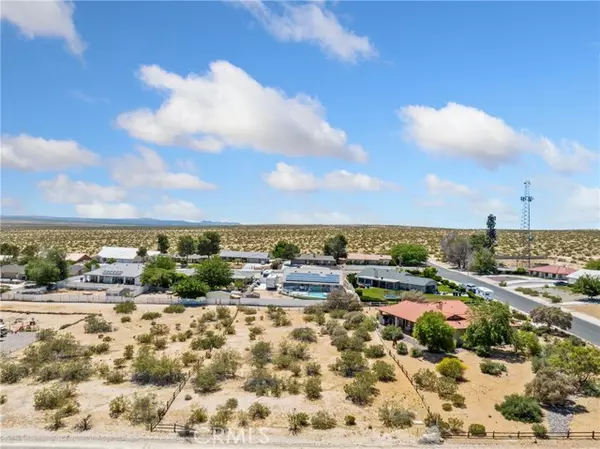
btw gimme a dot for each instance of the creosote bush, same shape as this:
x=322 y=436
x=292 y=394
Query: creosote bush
x=383 y=371
x=297 y=421
x=53 y=397
x=401 y=348
x=304 y=334
x=426 y=379
x=125 y=307
x=492 y=368
x=125 y=319
x=375 y=351
x=312 y=388
x=393 y=415
x=520 y=408
x=144 y=409
x=174 y=308
x=258 y=411
x=323 y=421
x=149 y=369
x=477 y=430
x=312 y=369
x=96 y=325
x=198 y=415
x=349 y=420
x=149 y=316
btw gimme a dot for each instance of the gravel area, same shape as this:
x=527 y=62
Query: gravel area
x=559 y=419
x=14 y=342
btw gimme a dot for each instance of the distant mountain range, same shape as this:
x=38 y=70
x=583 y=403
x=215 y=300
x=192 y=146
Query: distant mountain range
x=65 y=221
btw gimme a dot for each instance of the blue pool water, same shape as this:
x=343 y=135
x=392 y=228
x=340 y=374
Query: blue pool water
x=317 y=295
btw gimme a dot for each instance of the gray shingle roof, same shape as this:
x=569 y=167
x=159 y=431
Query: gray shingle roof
x=244 y=254
x=12 y=268
x=391 y=275
x=129 y=270
x=316 y=257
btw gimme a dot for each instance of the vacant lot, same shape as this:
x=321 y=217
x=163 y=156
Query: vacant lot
x=575 y=246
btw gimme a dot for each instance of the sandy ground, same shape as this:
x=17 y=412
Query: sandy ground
x=588 y=309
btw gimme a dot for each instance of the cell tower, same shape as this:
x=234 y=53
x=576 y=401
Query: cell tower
x=526 y=199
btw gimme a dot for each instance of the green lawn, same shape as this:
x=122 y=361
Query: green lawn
x=377 y=294
x=444 y=288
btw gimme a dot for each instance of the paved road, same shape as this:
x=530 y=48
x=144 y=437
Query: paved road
x=583 y=329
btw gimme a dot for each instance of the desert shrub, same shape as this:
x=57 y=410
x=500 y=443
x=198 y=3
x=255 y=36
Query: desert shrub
x=144 y=339
x=101 y=348
x=296 y=421
x=323 y=421
x=312 y=388
x=349 y=364
x=125 y=307
x=375 y=351
x=477 y=430
x=426 y=379
x=3 y=399
x=394 y=416
x=149 y=369
x=349 y=420
x=159 y=343
x=56 y=421
x=49 y=372
x=247 y=310
x=520 y=408
x=220 y=420
x=452 y=368
x=96 y=325
x=255 y=331
x=353 y=320
x=84 y=424
x=144 y=409
x=458 y=400
x=447 y=407
x=262 y=382
x=189 y=358
x=210 y=340
x=539 y=430
x=174 y=308
x=258 y=411
x=338 y=314
x=550 y=387
x=250 y=319
x=502 y=284
x=305 y=334
x=12 y=372
x=362 y=332
x=120 y=363
x=118 y=406
x=56 y=349
x=188 y=397
x=243 y=419
x=76 y=371
x=53 y=397
x=383 y=371
x=296 y=369
x=361 y=390
x=107 y=339
x=206 y=381
x=283 y=361
x=446 y=387
x=45 y=334
x=492 y=368
x=226 y=363
x=128 y=352
x=312 y=369
x=223 y=313
x=416 y=352
x=401 y=348
x=392 y=333
x=293 y=386
x=125 y=319
x=261 y=354
x=297 y=351
x=159 y=329
x=115 y=377
x=149 y=316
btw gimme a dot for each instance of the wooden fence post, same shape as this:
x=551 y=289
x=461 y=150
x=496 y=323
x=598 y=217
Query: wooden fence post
x=568 y=434
x=593 y=434
x=519 y=435
x=493 y=435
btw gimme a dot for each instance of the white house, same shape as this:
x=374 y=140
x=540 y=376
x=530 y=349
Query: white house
x=121 y=254
x=572 y=278
x=116 y=273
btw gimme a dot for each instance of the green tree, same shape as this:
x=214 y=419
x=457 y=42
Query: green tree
x=209 y=243
x=490 y=326
x=8 y=249
x=142 y=252
x=28 y=253
x=186 y=246
x=42 y=271
x=92 y=264
x=191 y=287
x=162 y=242
x=588 y=285
x=59 y=258
x=483 y=262
x=352 y=279
x=580 y=362
x=408 y=254
x=285 y=250
x=550 y=387
x=432 y=330
x=160 y=272
x=552 y=316
x=479 y=241
x=456 y=249
x=590 y=265
x=215 y=272
x=336 y=247
x=491 y=231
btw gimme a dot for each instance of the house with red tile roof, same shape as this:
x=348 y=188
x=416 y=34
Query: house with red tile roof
x=406 y=313
x=558 y=272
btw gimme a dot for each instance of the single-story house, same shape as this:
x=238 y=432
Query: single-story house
x=312 y=279
x=121 y=254
x=244 y=256
x=193 y=258
x=572 y=278
x=392 y=279
x=368 y=259
x=314 y=259
x=116 y=273
x=78 y=257
x=12 y=271
x=77 y=269
x=558 y=272
x=248 y=276
x=406 y=313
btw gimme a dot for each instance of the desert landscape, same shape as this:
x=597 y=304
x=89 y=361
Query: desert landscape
x=573 y=246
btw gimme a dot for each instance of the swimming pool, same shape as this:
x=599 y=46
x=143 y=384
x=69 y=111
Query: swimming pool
x=307 y=295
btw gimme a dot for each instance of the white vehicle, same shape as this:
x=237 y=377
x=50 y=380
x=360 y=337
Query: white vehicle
x=3 y=330
x=484 y=292
x=271 y=282
x=266 y=273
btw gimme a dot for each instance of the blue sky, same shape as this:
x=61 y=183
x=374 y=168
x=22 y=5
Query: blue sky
x=410 y=113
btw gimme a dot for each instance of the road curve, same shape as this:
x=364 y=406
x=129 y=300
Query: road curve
x=583 y=329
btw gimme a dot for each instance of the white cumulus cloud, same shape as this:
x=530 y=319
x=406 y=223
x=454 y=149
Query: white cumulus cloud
x=311 y=22
x=150 y=170
x=295 y=179
x=461 y=131
x=64 y=190
x=45 y=18
x=176 y=209
x=27 y=153
x=98 y=209
x=437 y=186
x=315 y=217
x=228 y=108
